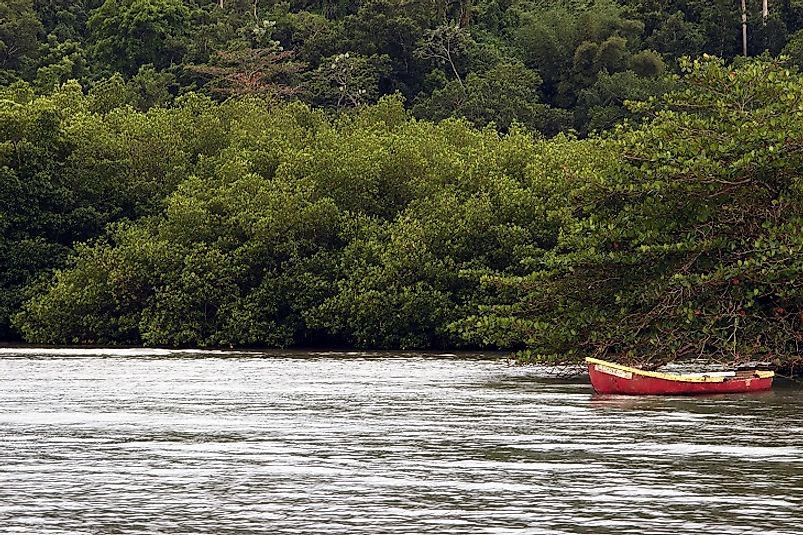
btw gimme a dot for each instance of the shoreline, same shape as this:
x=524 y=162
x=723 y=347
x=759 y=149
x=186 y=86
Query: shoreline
x=790 y=370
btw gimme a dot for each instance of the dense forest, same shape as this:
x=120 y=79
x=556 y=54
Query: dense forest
x=560 y=65
x=618 y=179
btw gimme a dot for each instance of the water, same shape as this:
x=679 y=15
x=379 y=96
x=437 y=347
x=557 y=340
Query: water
x=152 y=441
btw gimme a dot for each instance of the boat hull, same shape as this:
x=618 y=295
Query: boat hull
x=608 y=378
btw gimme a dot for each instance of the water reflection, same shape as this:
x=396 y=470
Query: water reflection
x=219 y=443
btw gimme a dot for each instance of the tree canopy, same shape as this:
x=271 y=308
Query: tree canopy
x=446 y=59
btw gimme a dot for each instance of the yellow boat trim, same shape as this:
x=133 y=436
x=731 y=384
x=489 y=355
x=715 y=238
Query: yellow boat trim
x=673 y=376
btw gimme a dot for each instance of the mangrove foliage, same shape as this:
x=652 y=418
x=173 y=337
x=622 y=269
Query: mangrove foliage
x=611 y=178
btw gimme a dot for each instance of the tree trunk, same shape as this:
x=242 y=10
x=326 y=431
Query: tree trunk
x=765 y=11
x=744 y=28
x=465 y=14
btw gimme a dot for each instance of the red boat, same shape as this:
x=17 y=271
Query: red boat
x=611 y=378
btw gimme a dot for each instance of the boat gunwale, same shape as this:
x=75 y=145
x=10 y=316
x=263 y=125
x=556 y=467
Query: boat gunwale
x=759 y=374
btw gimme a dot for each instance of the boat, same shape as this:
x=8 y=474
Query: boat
x=611 y=378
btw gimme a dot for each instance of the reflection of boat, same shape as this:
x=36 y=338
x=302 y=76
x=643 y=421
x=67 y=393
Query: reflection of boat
x=610 y=378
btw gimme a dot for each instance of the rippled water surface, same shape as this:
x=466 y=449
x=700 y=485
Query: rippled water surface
x=202 y=442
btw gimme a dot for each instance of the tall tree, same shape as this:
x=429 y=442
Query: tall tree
x=252 y=71
x=445 y=44
x=19 y=35
x=744 y=27
x=126 y=34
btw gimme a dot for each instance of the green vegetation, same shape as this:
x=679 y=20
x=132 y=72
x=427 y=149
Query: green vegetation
x=549 y=177
x=682 y=240
x=562 y=65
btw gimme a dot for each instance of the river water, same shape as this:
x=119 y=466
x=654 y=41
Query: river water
x=153 y=441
